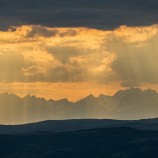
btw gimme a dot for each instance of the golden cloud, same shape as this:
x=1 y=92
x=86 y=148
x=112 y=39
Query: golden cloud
x=33 y=53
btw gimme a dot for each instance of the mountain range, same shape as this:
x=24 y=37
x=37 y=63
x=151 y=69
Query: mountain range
x=130 y=104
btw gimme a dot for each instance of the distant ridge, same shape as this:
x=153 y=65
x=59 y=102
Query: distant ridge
x=130 y=104
x=56 y=126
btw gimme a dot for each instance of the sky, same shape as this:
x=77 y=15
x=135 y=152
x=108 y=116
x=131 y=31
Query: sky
x=70 y=49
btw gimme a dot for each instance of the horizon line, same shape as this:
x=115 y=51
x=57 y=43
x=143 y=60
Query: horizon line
x=64 y=98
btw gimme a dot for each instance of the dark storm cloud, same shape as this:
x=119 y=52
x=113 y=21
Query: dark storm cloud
x=100 y=14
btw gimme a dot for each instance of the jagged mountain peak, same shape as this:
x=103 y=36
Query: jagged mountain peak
x=33 y=97
x=91 y=96
x=151 y=92
x=8 y=95
x=63 y=101
x=132 y=91
x=27 y=97
x=103 y=96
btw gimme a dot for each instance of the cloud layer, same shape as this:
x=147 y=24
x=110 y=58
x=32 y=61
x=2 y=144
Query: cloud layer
x=100 y=14
x=125 y=56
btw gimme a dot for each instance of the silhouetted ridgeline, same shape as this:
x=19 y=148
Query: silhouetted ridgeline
x=56 y=126
x=128 y=104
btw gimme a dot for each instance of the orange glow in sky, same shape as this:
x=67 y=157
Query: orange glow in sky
x=75 y=62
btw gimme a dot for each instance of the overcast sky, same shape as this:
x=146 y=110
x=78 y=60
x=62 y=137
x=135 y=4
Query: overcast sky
x=102 y=14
